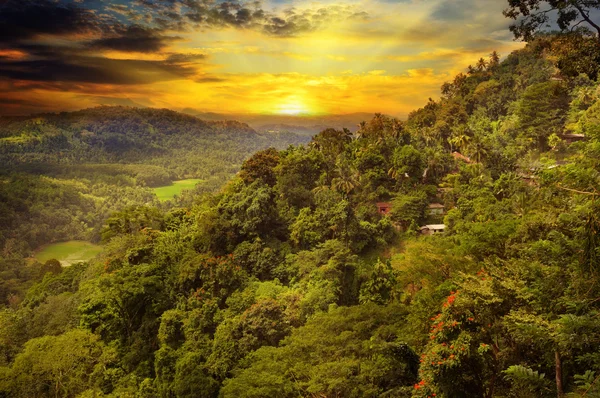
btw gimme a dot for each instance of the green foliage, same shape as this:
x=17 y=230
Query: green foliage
x=260 y=166
x=351 y=352
x=288 y=281
x=527 y=382
x=542 y=111
x=532 y=15
x=408 y=208
x=64 y=365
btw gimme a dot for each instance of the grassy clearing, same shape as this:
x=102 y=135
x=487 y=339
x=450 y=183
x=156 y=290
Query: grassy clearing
x=170 y=191
x=68 y=253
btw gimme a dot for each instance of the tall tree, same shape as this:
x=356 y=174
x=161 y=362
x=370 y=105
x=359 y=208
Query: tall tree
x=532 y=15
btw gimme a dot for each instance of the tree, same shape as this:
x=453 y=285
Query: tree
x=532 y=15
x=346 y=352
x=494 y=60
x=346 y=180
x=64 y=365
x=576 y=54
x=261 y=165
x=542 y=111
x=409 y=208
x=408 y=162
x=481 y=65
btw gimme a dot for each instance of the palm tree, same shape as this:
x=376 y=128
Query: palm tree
x=494 y=60
x=346 y=180
x=396 y=130
x=481 y=65
x=477 y=149
x=461 y=141
x=320 y=188
x=362 y=129
x=434 y=162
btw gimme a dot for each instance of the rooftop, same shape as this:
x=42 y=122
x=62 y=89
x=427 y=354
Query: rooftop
x=434 y=226
x=436 y=206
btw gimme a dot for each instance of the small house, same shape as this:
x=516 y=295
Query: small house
x=571 y=138
x=435 y=209
x=384 y=208
x=433 y=229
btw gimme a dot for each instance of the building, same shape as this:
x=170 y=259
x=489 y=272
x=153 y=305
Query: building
x=571 y=138
x=384 y=208
x=435 y=209
x=433 y=229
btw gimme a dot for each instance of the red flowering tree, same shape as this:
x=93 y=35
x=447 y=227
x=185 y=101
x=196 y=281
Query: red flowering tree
x=464 y=355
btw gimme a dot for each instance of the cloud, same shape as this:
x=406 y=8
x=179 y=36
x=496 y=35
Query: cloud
x=297 y=21
x=134 y=38
x=27 y=19
x=51 y=64
x=182 y=58
x=453 y=10
x=337 y=55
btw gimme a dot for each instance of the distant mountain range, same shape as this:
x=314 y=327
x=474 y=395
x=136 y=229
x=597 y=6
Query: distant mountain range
x=302 y=124
x=183 y=144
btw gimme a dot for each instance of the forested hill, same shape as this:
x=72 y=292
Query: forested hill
x=122 y=134
x=63 y=174
x=290 y=282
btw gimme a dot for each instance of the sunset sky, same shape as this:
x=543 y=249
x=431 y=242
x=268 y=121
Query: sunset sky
x=269 y=57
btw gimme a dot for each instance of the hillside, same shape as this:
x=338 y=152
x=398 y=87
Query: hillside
x=131 y=135
x=301 y=124
x=63 y=174
x=292 y=281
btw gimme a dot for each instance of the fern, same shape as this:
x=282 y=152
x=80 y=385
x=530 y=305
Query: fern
x=518 y=373
x=526 y=380
x=587 y=384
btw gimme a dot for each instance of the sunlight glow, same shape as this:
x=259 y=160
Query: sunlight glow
x=292 y=106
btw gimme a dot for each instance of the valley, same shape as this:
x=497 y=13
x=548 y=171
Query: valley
x=297 y=226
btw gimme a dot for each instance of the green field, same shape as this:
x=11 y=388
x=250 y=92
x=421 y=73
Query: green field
x=170 y=191
x=68 y=253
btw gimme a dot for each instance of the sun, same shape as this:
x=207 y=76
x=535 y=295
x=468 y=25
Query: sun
x=293 y=106
x=292 y=109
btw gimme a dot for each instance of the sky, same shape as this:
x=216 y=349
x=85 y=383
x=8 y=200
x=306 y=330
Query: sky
x=284 y=57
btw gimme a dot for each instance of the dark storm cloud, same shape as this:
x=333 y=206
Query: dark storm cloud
x=57 y=45
x=149 y=25
x=26 y=19
x=134 y=38
x=89 y=69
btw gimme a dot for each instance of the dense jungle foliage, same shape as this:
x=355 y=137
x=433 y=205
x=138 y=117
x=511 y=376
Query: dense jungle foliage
x=64 y=174
x=288 y=282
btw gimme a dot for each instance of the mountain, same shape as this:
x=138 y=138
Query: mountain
x=301 y=124
x=133 y=135
x=69 y=171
